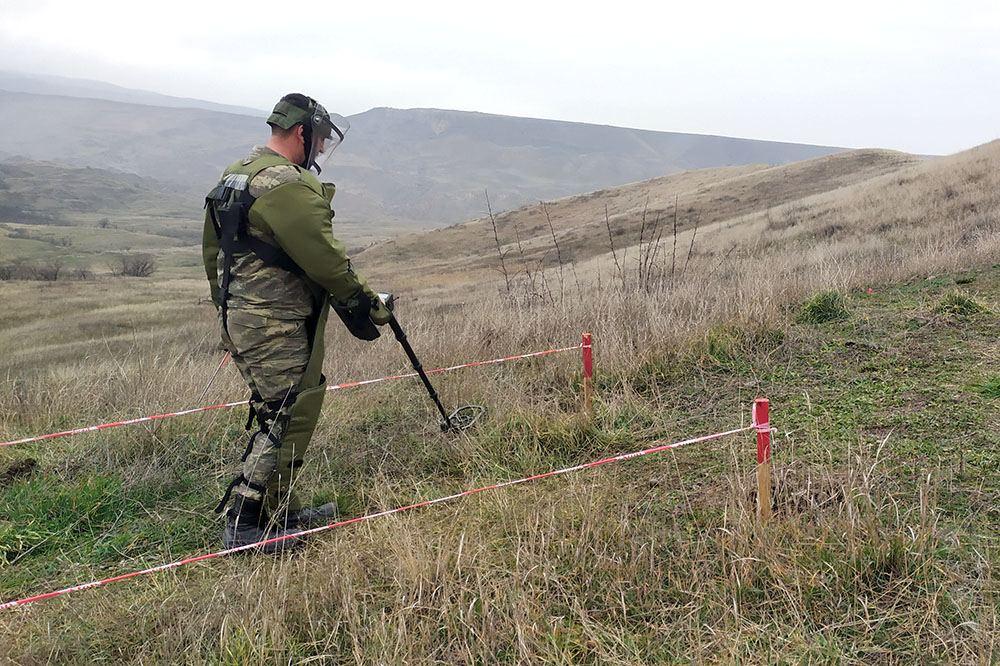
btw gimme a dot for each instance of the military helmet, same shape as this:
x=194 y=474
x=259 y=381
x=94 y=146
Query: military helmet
x=322 y=131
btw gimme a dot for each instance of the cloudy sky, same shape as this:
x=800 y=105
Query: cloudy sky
x=916 y=76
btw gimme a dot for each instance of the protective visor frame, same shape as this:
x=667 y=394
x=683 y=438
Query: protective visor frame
x=328 y=131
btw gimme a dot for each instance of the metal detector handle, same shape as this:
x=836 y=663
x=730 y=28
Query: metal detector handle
x=397 y=330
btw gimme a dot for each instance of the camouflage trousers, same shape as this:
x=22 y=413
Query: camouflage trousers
x=280 y=365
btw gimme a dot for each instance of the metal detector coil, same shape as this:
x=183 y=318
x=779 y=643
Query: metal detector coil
x=462 y=418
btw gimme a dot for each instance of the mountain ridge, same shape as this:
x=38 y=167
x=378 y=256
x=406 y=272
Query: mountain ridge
x=49 y=84
x=422 y=168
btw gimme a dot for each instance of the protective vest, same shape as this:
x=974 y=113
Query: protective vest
x=229 y=205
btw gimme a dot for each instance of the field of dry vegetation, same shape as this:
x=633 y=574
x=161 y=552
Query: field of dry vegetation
x=859 y=292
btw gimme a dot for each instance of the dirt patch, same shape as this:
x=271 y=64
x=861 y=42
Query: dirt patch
x=18 y=469
x=802 y=491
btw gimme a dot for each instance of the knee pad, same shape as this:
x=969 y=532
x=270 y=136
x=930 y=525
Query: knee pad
x=261 y=456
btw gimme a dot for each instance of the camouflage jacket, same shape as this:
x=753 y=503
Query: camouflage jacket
x=292 y=211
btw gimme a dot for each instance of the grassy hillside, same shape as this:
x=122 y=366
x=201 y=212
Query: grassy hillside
x=883 y=544
x=92 y=215
x=83 y=218
x=51 y=188
x=574 y=232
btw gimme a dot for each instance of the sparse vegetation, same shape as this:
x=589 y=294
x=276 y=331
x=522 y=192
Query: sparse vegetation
x=883 y=543
x=44 y=272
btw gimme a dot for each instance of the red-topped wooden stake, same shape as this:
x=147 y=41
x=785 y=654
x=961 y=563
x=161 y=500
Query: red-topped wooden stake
x=762 y=421
x=588 y=374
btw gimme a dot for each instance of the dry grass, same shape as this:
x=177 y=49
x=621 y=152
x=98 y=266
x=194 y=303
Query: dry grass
x=657 y=561
x=442 y=262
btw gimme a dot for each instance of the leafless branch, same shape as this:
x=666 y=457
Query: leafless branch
x=611 y=240
x=496 y=238
x=690 y=247
x=673 y=259
x=552 y=231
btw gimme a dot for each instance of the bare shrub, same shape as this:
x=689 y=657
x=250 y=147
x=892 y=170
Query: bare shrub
x=790 y=217
x=135 y=265
x=829 y=230
x=46 y=272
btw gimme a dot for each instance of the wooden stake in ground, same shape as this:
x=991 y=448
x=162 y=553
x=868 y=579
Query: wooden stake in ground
x=588 y=374
x=761 y=419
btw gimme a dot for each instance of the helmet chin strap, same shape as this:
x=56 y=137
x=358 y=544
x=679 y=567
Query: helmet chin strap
x=309 y=150
x=307 y=146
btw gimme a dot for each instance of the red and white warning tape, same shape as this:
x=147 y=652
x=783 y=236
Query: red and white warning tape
x=496 y=486
x=227 y=405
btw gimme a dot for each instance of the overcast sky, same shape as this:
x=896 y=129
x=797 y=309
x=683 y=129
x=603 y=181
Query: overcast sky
x=917 y=76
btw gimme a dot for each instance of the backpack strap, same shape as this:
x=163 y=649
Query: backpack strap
x=229 y=205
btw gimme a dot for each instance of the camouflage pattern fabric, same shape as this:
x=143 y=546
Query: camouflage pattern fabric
x=271 y=177
x=256 y=286
x=273 y=357
x=276 y=322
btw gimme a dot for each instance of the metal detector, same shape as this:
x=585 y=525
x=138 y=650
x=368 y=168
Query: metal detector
x=462 y=418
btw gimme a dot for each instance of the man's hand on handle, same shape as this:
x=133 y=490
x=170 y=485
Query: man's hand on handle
x=381 y=311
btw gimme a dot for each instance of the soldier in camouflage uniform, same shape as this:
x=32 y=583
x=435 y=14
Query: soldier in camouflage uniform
x=275 y=268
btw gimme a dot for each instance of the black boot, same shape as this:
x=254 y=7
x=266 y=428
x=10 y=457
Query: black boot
x=312 y=516
x=245 y=525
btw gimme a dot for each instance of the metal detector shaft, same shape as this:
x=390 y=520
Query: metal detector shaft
x=397 y=330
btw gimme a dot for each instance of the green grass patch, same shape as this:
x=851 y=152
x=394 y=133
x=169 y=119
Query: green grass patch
x=739 y=348
x=824 y=307
x=97 y=519
x=46 y=517
x=990 y=388
x=958 y=303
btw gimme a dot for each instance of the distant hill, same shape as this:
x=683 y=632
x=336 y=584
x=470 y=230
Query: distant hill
x=45 y=84
x=62 y=192
x=418 y=167
x=182 y=148
x=80 y=216
x=434 y=165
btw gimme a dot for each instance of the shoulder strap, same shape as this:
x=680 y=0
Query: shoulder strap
x=229 y=205
x=271 y=255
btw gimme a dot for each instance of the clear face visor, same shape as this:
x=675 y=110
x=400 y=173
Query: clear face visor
x=327 y=135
